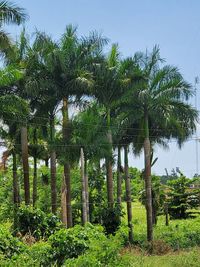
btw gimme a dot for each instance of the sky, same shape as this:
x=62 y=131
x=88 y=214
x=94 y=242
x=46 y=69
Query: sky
x=135 y=25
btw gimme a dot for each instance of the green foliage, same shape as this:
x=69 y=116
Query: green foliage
x=158 y=197
x=9 y=245
x=70 y=243
x=35 y=256
x=6 y=207
x=111 y=217
x=103 y=251
x=181 y=197
x=36 y=222
x=181 y=234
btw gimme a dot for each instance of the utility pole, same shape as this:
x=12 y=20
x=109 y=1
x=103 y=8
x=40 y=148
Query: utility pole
x=196 y=81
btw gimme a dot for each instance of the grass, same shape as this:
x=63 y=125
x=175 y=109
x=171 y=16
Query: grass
x=179 y=259
x=181 y=236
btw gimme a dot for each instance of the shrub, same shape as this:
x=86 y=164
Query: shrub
x=70 y=243
x=111 y=217
x=35 y=256
x=102 y=252
x=9 y=245
x=35 y=222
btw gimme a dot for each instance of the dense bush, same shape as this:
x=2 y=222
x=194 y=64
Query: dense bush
x=111 y=217
x=102 y=251
x=9 y=245
x=36 y=222
x=36 y=255
x=70 y=243
x=77 y=246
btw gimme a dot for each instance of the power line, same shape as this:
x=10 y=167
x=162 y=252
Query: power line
x=26 y=121
x=3 y=144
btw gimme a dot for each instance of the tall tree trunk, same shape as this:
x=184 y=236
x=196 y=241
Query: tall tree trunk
x=24 y=145
x=67 y=165
x=68 y=194
x=63 y=203
x=35 y=181
x=35 y=167
x=53 y=182
x=119 y=178
x=83 y=183
x=148 y=186
x=16 y=199
x=53 y=169
x=109 y=164
x=128 y=194
x=87 y=190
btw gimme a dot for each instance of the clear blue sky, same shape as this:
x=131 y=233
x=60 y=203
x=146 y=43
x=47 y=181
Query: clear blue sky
x=135 y=25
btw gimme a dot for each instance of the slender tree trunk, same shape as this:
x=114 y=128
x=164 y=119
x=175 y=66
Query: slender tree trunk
x=15 y=181
x=148 y=186
x=53 y=182
x=109 y=165
x=67 y=165
x=84 y=201
x=166 y=214
x=154 y=215
x=47 y=162
x=128 y=195
x=16 y=199
x=24 y=145
x=53 y=170
x=87 y=190
x=63 y=203
x=119 y=178
x=99 y=192
x=35 y=181
x=68 y=194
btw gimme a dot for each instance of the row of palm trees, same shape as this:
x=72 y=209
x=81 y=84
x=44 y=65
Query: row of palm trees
x=132 y=102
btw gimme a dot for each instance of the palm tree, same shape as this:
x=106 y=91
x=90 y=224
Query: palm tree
x=13 y=108
x=123 y=139
x=65 y=66
x=112 y=78
x=107 y=89
x=42 y=93
x=157 y=111
x=9 y=14
x=18 y=58
x=68 y=64
x=90 y=137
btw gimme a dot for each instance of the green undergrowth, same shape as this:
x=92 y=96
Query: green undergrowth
x=182 y=258
x=179 y=234
x=174 y=245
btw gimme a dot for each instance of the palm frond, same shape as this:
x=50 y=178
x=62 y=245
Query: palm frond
x=11 y=13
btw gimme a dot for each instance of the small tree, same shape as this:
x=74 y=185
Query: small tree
x=181 y=197
x=158 y=198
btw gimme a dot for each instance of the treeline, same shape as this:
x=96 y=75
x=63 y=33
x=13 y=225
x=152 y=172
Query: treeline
x=116 y=103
